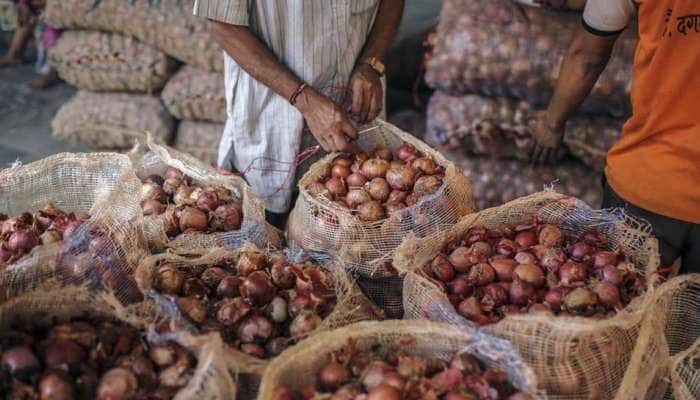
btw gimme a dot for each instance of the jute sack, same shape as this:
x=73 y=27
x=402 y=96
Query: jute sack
x=103 y=62
x=500 y=48
x=165 y=24
x=112 y=121
x=321 y=226
x=151 y=158
x=54 y=302
x=196 y=95
x=105 y=249
x=199 y=139
x=502 y=127
x=351 y=305
x=298 y=367
x=574 y=357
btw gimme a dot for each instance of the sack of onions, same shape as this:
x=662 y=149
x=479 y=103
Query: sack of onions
x=199 y=139
x=358 y=208
x=102 y=62
x=73 y=217
x=187 y=205
x=566 y=284
x=685 y=374
x=62 y=342
x=499 y=48
x=196 y=95
x=259 y=302
x=399 y=360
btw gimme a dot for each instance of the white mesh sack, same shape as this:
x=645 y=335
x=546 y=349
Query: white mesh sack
x=196 y=95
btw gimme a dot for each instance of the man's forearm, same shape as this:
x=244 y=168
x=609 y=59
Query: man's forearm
x=386 y=23
x=582 y=65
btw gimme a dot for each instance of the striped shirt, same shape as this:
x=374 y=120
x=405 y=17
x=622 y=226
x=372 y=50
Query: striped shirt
x=319 y=41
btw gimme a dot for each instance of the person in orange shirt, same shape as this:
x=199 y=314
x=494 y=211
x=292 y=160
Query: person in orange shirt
x=654 y=170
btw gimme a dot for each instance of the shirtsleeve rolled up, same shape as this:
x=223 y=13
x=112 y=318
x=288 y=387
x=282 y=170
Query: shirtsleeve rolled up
x=607 y=17
x=234 y=12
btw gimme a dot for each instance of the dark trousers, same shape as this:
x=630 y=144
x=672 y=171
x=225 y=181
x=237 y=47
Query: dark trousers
x=676 y=238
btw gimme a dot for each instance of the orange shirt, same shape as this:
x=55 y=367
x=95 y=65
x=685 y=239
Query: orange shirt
x=656 y=163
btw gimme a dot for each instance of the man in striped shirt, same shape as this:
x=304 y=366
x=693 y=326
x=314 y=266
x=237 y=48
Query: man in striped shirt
x=287 y=64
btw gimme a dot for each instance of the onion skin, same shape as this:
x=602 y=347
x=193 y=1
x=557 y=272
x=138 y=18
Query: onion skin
x=356 y=197
x=379 y=189
x=572 y=273
x=282 y=275
x=371 y=211
x=550 y=236
x=258 y=288
x=580 y=301
x=170 y=280
x=374 y=168
x=526 y=239
x=171 y=185
x=401 y=177
x=231 y=311
x=428 y=184
x=336 y=187
x=354 y=180
x=192 y=219
x=425 y=165
x=250 y=261
x=207 y=201
x=303 y=324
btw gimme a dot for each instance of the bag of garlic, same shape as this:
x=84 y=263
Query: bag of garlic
x=103 y=62
x=199 y=139
x=500 y=48
x=502 y=127
x=378 y=358
x=112 y=121
x=62 y=341
x=260 y=302
x=196 y=95
x=167 y=25
x=357 y=211
x=511 y=268
x=70 y=217
x=189 y=206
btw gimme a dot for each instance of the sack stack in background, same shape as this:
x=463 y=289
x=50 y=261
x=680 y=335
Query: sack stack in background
x=494 y=64
x=135 y=48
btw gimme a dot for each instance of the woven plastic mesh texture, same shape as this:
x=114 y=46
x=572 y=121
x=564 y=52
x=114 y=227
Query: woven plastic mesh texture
x=386 y=293
x=102 y=62
x=502 y=127
x=165 y=24
x=196 y=95
x=55 y=302
x=299 y=366
x=351 y=304
x=574 y=358
x=104 y=250
x=199 y=139
x=321 y=226
x=500 y=48
x=152 y=158
x=112 y=121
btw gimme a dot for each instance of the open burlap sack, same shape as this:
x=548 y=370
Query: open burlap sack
x=196 y=95
x=165 y=24
x=502 y=127
x=501 y=48
x=105 y=249
x=299 y=366
x=351 y=305
x=151 y=158
x=103 y=62
x=574 y=357
x=112 y=121
x=200 y=139
x=321 y=226
x=54 y=302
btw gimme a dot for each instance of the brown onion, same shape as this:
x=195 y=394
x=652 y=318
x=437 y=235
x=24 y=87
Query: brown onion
x=531 y=274
x=520 y=292
x=192 y=219
x=552 y=258
x=152 y=207
x=62 y=353
x=356 y=180
x=401 y=177
x=258 y=288
x=603 y=258
x=460 y=259
x=551 y=236
x=428 y=184
x=379 y=189
x=406 y=152
x=371 y=211
x=355 y=197
x=336 y=186
x=170 y=280
x=254 y=329
x=572 y=273
x=504 y=268
x=317 y=189
x=608 y=294
x=481 y=274
x=333 y=375
x=340 y=171
x=195 y=309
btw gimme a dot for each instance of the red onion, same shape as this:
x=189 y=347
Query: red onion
x=258 y=288
x=5 y=255
x=283 y=393
x=276 y=346
x=497 y=293
x=401 y=177
x=481 y=249
x=428 y=184
x=520 y=292
x=22 y=241
x=171 y=185
x=371 y=211
x=383 y=153
x=443 y=272
x=333 y=375
x=303 y=324
x=448 y=379
x=394 y=379
x=552 y=258
x=374 y=168
x=481 y=274
x=572 y=273
x=282 y=275
x=459 y=287
x=344 y=160
x=504 y=268
x=20 y=362
x=152 y=207
x=192 y=219
x=554 y=297
x=580 y=301
x=182 y=195
x=317 y=189
x=426 y=165
x=612 y=275
x=603 y=258
x=193 y=287
x=531 y=274
x=551 y=236
x=374 y=374
x=174 y=173
x=117 y=383
x=506 y=247
x=580 y=250
x=61 y=353
x=340 y=171
x=397 y=196
x=207 y=201
x=469 y=308
x=519 y=396
x=336 y=186
x=229 y=287
x=231 y=311
x=356 y=180
x=406 y=152
x=608 y=294
x=195 y=309
x=595 y=239
x=393 y=207
x=384 y=392
x=54 y=386
x=526 y=239
x=523 y=257
x=254 y=329
x=254 y=350
x=250 y=261
x=379 y=189
x=151 y=191
x=460 y=259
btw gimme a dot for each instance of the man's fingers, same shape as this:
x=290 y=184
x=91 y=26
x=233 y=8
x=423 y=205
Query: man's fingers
x=348 y=130
x=357 y=98
x=375 y=106
x=366 y=99
x=340 y=143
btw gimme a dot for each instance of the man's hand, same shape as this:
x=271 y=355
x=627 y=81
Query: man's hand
x=548 y=137
x=367 y=94
x=327 y=122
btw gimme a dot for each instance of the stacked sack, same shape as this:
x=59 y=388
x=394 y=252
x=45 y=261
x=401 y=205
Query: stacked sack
x=494 y=64
x=124 y=58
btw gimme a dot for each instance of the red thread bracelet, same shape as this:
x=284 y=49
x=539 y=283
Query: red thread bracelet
x=293 y=97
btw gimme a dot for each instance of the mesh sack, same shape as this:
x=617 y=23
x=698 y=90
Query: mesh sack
x=155 y=159
x=196 y=95
x=685 y=374
x=502 y=127
x=298 y=367
x=351 y=304
x=109 y=62
x=54 y=303
x=321 y=226
x=167 y=25
x=500 y=48
x=199 y=139
x=385 y=292
x=103 y=250
x=112 y=121
x=574 y=357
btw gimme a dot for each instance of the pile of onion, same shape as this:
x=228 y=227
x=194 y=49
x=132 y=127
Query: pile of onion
x=488 y=274
x=258 y=304
x=390 y=374
x=377 y=184
x=189 y=208
x=85 y=359
x=19 y=235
